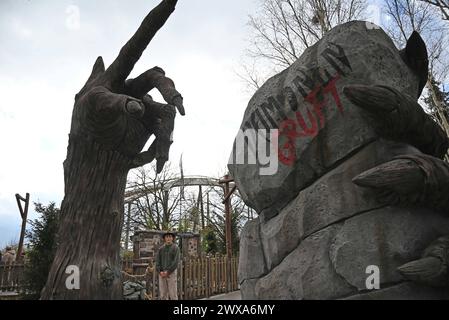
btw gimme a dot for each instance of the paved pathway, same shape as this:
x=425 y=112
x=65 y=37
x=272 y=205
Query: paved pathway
x=8 y=295
x=235 y=295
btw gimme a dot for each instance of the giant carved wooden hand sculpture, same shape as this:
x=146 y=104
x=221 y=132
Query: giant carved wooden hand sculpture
x=112 y=120
x=118 y=113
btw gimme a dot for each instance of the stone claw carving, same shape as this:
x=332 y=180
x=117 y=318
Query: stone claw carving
x=413 y=179
x=416 y=180
x=399 y=117
x=410 y=179
x=432 y=268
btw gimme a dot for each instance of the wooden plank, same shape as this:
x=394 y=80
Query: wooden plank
x=199 y=276
x=234 y=272
x=183 y=285
x=194 y=286
x=2 y=273
x=221 y=274
x=186 y=287
x=195 y=277
x=189 y=280
x=236 y=280
x=226 y=274
x=199 y=286
x=231 y=275
x=181 y=280
x=208 y=279
x=217 y=263
x=192 y=278
x=203 y=276
x=213 y=276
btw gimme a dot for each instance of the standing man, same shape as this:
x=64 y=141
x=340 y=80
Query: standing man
x=167 y=260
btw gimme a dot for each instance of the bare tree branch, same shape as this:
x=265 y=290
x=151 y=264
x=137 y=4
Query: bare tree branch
x=283 y=29
x=443 y=5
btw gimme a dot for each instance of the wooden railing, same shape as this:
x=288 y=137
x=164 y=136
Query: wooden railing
x=11 y=277
x=207 y=276
x=198 y=278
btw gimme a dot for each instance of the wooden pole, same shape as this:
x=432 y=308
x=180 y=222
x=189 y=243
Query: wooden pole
x=226 y=202
x=200 y=197
x=128 y=218
x=207 y=208
x=228 y=220
x=24 y=215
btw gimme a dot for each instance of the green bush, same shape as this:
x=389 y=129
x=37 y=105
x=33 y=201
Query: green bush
x=41 y=249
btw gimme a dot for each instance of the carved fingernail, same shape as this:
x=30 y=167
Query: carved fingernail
x=372 y=98
x=134 y=108
x=426 y=270
x=400 y=175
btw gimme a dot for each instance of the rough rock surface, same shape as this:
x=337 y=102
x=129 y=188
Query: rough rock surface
x=251 y=261
x=403 y=291
x=317 y=232
x=134 y=290
x=310 y=91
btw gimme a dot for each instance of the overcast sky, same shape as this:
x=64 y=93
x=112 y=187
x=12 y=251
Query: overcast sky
x=47 y=52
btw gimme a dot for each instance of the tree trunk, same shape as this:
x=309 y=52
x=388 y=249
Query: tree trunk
x=112 y=120
x=439 y=106
x=91 y=222
x=440 y=110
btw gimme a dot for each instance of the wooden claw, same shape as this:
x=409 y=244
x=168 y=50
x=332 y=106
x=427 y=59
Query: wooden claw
x=131 y=52
x=400 y=175
x=145 y=157
x=374 y=99
x=428 y=270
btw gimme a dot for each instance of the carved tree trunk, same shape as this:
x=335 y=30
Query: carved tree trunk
x=112 y=120
x=92 y=217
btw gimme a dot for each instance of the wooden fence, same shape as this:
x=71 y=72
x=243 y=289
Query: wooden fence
x=198 y=278
x=207 y=276
x=11 y=277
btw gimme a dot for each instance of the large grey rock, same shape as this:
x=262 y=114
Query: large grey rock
x=334 y=197
x=134 y=290
x=386 y=238
x=317 y=231
x=332 y=263
x=403 y=291
x=306 y=273
x=251 y=259
x=248 y=289
x=282 y=234
x=325 y=202
x=349 y=54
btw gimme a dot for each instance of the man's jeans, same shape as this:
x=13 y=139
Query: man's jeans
x=168 y=287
